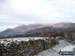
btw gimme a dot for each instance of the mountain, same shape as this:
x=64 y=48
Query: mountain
x=25 y=28
x=40 y=30
x=44 y=29
x=33 y=28
x=64 y=25
x=6 y=32
x=21 y=29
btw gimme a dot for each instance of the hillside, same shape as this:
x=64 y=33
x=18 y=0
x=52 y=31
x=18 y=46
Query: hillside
x=34 y=28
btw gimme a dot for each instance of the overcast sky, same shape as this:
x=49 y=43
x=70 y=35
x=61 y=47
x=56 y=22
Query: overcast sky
x=20 y=12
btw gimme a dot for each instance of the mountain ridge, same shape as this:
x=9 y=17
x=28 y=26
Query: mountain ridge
x=33 y=27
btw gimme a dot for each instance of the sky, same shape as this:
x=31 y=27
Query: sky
x=22 y=12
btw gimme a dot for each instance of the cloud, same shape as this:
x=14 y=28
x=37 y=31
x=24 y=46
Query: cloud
x=35 y=7
x=18 y=12
x=45 y=8
x=66 y=7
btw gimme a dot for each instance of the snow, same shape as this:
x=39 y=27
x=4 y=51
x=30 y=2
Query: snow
x=8 y=40
x=54 y=50
x=23 y=38
x=62 y=44
x=68 y=48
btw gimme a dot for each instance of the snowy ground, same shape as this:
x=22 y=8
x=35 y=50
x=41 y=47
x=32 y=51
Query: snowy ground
x=54 y=51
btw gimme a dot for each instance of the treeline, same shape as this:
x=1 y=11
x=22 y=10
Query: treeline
x=40 y=34
x=68 y=33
